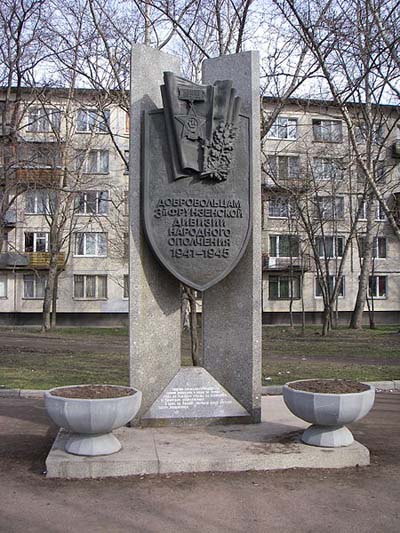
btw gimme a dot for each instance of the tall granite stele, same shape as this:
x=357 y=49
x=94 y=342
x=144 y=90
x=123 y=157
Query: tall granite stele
x=195 y=218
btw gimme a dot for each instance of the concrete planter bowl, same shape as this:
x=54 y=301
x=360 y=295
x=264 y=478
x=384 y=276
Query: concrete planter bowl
x=328 y=413
x=91 y=421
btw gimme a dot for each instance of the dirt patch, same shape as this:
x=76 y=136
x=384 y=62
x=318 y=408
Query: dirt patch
x=93 y=392
x=330 y=386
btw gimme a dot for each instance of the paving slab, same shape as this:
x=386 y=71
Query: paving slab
x=273 y=444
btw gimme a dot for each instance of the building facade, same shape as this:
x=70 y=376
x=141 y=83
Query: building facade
x=68 y=173
x=316 y=205
x=72 y=157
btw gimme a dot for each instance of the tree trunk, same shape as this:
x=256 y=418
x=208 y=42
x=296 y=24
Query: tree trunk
x=54 y=303
x=357 y=315
x=48 y=292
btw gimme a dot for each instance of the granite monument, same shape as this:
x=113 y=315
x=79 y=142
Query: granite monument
x=194 y=179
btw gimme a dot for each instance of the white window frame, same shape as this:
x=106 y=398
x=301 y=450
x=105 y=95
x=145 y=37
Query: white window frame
x=98 y=236
x=37 y=235
x=378 y=296
x=380 y=215
x=333 y=207
x=85 y=161
x=3 y=286
x=38 y=282
x=85 y=286
x=82 y=202
x=333 y=277
x=36 y=193
x=43 y=120
x=288 y=205
x=126 y=287
x=284 y=167
x=335 y=245
x=326 y=127
x=278 y=238
x=295 y=279
x=283 y=128
x=95 y=120
x=375 y=246
x=327 y=169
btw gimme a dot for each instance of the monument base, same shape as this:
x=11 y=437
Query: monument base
x=272 y=445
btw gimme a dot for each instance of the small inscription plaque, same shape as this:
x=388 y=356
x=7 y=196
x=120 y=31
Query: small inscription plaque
x=182 y=399
x=194 y=393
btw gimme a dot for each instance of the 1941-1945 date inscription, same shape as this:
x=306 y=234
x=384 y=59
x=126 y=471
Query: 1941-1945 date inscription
x=198 y=228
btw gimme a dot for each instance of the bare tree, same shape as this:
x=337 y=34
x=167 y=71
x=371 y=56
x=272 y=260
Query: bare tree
x=353 y=43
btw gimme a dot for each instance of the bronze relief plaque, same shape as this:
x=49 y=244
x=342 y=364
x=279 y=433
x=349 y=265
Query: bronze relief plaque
x=196 y=181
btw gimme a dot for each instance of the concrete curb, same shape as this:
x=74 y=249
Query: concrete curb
x=268 y=390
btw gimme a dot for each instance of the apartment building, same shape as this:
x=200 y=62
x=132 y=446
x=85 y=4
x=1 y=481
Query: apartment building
x=72 y=156
x=315 y=210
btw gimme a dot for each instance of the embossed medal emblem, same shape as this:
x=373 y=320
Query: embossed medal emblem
x=196 y=194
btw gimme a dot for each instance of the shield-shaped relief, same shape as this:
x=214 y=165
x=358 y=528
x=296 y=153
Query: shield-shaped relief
x=196 y=181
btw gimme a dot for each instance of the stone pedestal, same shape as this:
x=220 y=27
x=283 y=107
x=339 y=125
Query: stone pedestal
x=232 y=308
x=154 y=309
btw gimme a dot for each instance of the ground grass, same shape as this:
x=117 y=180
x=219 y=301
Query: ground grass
x=368 y=355
x=46 y=371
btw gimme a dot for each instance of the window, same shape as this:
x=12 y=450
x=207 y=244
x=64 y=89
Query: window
x=362 y=208
x=36 y=242
x=330 y=207
x=283 y=128
x=284 y=246
x=91 y=244
x=327 y=130
x=38 y=202
x=126 y=245
x=280 y=207
x=329 y=246
x=376 y=133
x=3 y=285
x=126 y=286
x=92 y=202
x=283 y=287
x=34 y=286
x=43 y=120
x=93 y=161
x=88 y=120
x=380 y=213
x=284 y=167
x=378 y=247
x=90 y=287
x=331 y=282
x=377 y=287
x=126 y=203
x=127 y=122
x=326 y=169
x=126 y=157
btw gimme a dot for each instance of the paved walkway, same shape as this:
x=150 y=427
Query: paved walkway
x=350 y=500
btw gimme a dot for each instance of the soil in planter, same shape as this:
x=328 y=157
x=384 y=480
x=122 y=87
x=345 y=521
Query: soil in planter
x=92 y=392
x=330 y=386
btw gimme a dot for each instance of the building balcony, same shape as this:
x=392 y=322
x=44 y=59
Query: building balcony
x=41 y=176
x=41 y=260
x=29 y=260
x=282 y=264
x=298 y=184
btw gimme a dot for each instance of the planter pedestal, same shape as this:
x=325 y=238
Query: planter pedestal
x=327 y=436
x=92 y=445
